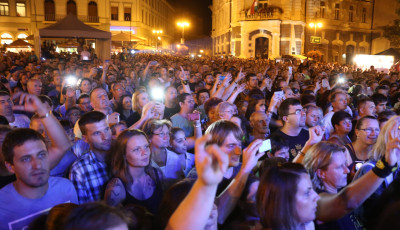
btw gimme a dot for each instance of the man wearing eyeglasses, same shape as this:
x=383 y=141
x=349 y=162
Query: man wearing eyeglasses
x=294 y=119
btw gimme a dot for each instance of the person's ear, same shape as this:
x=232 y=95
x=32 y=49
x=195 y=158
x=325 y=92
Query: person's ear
x=285 y=118
x=180 y=104
x=321 y=173
x=9 y=167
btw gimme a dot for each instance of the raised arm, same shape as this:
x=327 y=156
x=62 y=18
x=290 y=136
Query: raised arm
x=184 y=79
x=316 y=134
x=333 y=207
x=59 y=140
x=194 y=210
x=227 y=201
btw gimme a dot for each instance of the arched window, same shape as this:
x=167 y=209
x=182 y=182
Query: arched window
x=92 y=12
x=6 y=38
x=22 y=36
x=71 y=7
x=4 y=8
x=49 y=10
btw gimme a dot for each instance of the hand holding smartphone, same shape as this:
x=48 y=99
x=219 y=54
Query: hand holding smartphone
x=193 y=116
x=265 y=146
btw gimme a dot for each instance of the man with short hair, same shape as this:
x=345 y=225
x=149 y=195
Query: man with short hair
x=84 y=103
x=294 y=119
x=380 y=102
x=34 y=193
x=259 y=122
x=209 y=80
x=366 y=107
x=6 y=110
x=118 y=90
x=34 y=87
x=339 y=102
x=89 y=173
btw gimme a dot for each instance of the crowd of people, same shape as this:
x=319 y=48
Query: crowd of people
x=150 y=141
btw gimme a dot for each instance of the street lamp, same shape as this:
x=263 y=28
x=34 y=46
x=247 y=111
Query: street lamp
x=157 y=33
x=183 y=25
x=315 y=25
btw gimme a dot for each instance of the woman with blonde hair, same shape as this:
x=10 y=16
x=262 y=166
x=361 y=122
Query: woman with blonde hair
x=389 y=131
x=139 y=100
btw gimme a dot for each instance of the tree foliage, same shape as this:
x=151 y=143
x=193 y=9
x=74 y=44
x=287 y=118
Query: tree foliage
x=392 y=32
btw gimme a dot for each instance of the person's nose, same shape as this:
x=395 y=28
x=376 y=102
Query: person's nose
x=237 y=150
x=36 y=163
x=346 y=170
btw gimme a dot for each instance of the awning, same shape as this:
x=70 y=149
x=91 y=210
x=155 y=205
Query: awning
x=144 y=47
x=72 y=27
x=126 y=37
x=19 y=43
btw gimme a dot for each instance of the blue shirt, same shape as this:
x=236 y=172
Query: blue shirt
x=17 y=211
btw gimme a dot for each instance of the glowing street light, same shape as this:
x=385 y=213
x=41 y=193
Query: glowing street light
x=183 y=25
x=315 y=26
x=157 y=33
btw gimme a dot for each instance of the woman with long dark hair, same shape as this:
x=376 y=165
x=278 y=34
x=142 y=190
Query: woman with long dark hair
x=135 y=180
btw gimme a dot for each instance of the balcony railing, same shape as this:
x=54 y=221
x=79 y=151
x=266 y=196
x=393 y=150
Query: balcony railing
x=83 y=18
x=265 y=15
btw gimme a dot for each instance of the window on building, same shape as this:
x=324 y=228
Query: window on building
x=322 y=9
x=4 y=9
x=337 y=11
x=49 y=10
x=114 y=13
x=351 y=11
x=23 y=37
x=127 y=14
x=92 y=12
x=364 y=15
x=21 y=9
x=71 y=7
x=6 y=38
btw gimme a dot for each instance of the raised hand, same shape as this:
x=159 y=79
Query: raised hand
x=183 y=75
x=392 y=154
x=241 y=88
x=240 y=75
x=210 y=161
x=29 y=103
x=148 y=110
x=251 y=155
x=316 y=134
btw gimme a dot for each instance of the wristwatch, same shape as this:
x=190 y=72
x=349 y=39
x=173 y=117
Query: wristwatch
x=185 y=82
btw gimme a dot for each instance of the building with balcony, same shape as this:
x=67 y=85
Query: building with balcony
x=21 y=18
x=281 y=27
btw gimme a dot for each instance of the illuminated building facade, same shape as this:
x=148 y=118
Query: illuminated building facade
x=21 y=18
x=272 y=28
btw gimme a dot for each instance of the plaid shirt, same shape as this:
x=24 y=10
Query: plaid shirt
x=89 y=177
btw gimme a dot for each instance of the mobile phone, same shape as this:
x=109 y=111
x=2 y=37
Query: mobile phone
x=265 y=146
x=290 y=69
x=325 y=83
x=193 y=116
x=221 y=78
x=277 y=60
x=279 y=94
x=153 y=62
x=101 y=67
x=113 y=119
x=107 y=61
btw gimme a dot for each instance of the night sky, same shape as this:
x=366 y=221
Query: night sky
x=197 y=13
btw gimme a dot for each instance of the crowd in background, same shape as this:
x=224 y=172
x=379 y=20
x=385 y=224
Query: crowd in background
x=150 y=141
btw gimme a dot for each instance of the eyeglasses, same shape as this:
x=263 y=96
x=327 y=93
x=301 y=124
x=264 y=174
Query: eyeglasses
x=369 y=130
x=162 y=135
x=297 y=112
x=228 y=111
